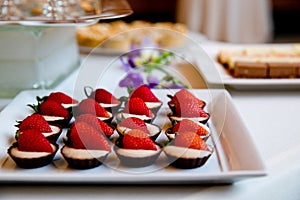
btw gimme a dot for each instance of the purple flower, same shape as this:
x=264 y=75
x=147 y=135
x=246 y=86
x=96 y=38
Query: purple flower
x=173 y=86
x=148 y=42
x=131 y=61
x=126 y=66
x=152 y=80
x=132 y=79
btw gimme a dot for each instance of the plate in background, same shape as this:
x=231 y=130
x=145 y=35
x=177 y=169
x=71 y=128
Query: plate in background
x=215 y=74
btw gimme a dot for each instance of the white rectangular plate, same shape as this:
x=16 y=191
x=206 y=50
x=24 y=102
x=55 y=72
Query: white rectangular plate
x=219 y=75
x=230 y=161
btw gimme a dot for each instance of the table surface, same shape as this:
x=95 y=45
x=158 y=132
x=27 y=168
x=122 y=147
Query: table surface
x=272 y=120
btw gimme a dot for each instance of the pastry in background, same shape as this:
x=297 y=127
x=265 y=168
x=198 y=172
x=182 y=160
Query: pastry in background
x=269 y=61
x=121 y=35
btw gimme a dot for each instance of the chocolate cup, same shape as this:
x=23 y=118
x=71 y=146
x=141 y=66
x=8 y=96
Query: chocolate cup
x=136 y=162
x=171 y=135
x=187 y=163
x=173 y=119
x=65 y=123
x=88 y=163
x=54 y=137
x=155 y=110
x=113 y=109
x=30 y=163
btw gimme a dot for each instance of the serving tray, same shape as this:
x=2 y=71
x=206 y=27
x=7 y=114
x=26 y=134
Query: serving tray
x=230 y=161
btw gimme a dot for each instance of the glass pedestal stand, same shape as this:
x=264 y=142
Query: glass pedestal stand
x=35 y=57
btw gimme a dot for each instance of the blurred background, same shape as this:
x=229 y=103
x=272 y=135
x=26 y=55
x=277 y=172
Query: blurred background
x=237 y=21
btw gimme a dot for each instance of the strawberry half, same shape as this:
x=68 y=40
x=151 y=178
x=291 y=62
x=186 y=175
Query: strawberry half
x=137 y=139
x=103 y=96
x=61 y=98
x=96 y=123
x=90 y=106
x=53 y=108
x=134 y=123
x=190 y=140
x=137 y=106
x=34 y=141
x=189 y=125
x=145 y=93
x=190 y=108
x=184 y=95
x=35 y=121
x=84 y=136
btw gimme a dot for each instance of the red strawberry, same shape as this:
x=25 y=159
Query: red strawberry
x=53 y=108
x=190 y=140
x=134 y=123
x=35 y=121
x=189 y=125
x=84 y=136
x=137 y=139
x=144 y=93
x=90 y=106
x=61 y=98
x=189 y=108
x=184 y=95
x=34 y=141
x=95 y=123
x=137 y=106
x=103 y=96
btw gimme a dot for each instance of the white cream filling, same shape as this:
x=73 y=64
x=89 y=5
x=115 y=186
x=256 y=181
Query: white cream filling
x=83 y=153
x=137 y=153
x=197 y=119
x=55 y=130
x=183 y=152
x=108 y=105
x=27 y=154
x=127 y=115
x=68 y=105
x=151 y=128
x=204 y=127
x=151 y=105
x=105 y=118
x=52 y=118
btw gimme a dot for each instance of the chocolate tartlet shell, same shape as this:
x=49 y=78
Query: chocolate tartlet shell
x=65 y=123
x=182 y=162
x=54 y=137
x=30 y=163
x=130 y=161
x=171 y=135
x=82 y=163
x=113 y=109
x=155 y=110
x=175 y=119
x=187 y=163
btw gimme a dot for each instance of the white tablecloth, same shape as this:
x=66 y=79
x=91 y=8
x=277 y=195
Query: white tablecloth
x=273 y=121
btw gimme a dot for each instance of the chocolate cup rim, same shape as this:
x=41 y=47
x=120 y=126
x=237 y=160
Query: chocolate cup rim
x=30 y=163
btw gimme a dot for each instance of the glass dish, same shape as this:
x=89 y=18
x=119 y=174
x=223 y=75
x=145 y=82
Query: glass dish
x=60 y=12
